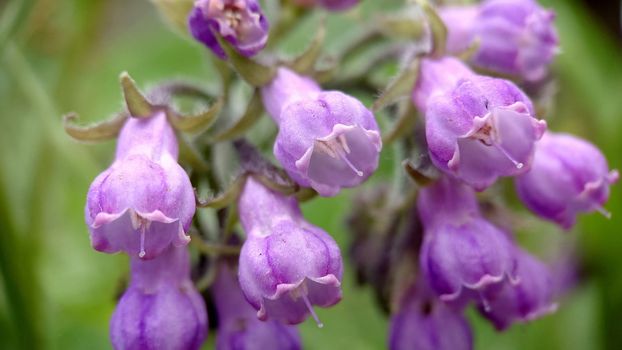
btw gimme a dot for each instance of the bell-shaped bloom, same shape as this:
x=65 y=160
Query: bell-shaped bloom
x=240 y=22
x=330 y=5
x=568 y=176
x=161 y=308
x=531 y=298
x=423 y=322
x=144 y=202
x=514 y=37
x=238 y=326
x=477 y=128
x=461 y=252
x=327 y=140
x=286 y=264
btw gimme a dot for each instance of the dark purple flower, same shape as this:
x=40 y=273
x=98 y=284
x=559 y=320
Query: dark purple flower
x=286 y=264
x=327 y=140
x=462 y=252
x=531 y=298
x=160 y=309
x=424 y=323
x=238 y=326
x=568 y=176
x=240 y=22
x=477 y=128
x=144 y=202
x=515 y=37
x=331 y=5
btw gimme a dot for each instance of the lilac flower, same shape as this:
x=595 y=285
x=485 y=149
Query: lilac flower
x=327 y=140
x=461 y=251
x=239 y=327
x=568 y=176
x=144 y=202
x=286 y=264
x=160 y=309
x=516 y=37
x=425 y=323
x=240 y=22
x=529 y=299
x=331 y=5
x=477 y=128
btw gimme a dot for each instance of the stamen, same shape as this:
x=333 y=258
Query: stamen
x=516 y=163
x=142 y=252
x=604 y=212
x=338 y=147
x=484 y=302
x=344 y=143
x=305 y=299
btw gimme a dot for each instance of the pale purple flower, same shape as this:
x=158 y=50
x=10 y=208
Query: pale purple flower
x=515 y=37
x=286 y=264
x=531 y=298
x=477 y=128
x=461 y=252
x=327 y=140
x=568 y=176
x=160 y=309
x=422 y=322
x=238 y=326
x=240 y=22
x=144 y=202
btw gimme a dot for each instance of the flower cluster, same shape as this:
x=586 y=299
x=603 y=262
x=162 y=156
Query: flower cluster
x=429 y=251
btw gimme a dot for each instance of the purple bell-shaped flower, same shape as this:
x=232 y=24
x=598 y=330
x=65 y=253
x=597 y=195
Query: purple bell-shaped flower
x=327 y=140
x=240 y=22
x=477 y=128
x=286 y=264
x=568 y=176
x=144 y=202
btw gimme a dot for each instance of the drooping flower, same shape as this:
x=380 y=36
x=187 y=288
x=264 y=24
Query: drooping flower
x=240 y=22
x=531 y=298
x=477 y=128
x=515 y=37
x=425 y=323
x=238 y=326
x=330 y=5
x=144 y=202
x=161 y=308
x=568 y=176
x=286 y=264
x=461 y=252
x=327 y=140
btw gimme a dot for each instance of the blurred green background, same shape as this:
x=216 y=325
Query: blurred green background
x=58 y=56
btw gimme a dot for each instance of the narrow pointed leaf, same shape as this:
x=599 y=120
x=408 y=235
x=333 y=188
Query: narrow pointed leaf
x=251 y=71
x=399 y=26
x=399 y=87
x=437 y=27
x=228 y=196
x=101 y=131
x=196 y=122
x=137 y=103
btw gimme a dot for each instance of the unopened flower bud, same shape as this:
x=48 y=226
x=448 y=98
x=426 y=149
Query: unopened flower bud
x=568 y=176
x=144 y=202
x=286 y=265
x=240 y=22
x=327 y=140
